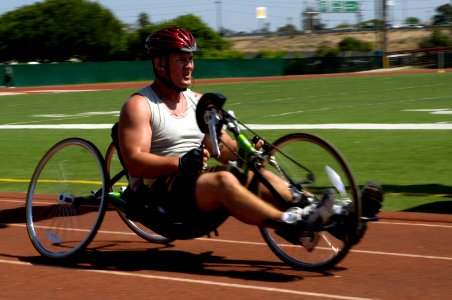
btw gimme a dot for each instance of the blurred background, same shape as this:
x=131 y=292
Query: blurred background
x=301 y=37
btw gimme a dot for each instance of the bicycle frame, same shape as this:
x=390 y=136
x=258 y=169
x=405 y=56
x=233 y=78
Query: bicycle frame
x=248 y=158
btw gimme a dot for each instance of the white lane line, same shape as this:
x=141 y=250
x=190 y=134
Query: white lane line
x=352 y=126
x=218 y=240
x=203 y=282
x=413 y=224
x=403 y=255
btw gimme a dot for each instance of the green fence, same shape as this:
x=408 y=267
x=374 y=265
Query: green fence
x=123 y=71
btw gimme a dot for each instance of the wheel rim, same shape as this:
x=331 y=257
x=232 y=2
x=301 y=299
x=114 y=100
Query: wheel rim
x=59 y=222
x=318 y=157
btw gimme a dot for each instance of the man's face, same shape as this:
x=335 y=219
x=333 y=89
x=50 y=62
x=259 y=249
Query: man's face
x=181 y=67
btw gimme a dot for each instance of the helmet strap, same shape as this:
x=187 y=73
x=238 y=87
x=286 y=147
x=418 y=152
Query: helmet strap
x=167 y=79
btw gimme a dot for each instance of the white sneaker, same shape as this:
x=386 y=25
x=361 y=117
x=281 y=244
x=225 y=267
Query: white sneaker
x=293 y=214
x=315 y=214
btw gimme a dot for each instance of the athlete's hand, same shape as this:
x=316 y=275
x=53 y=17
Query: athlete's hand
x=258 y=142
x=194 y=160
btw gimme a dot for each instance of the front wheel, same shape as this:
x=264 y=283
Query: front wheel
x=308 y=161
x=66 y=199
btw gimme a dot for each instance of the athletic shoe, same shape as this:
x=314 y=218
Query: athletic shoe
x=297 y=221
x=371 y=199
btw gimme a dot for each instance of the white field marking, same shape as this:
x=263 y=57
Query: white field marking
x=356 y=126
x=275 y=100
x=59 y=91
x=197 y=281
x=427 y=109
x=436 y=111
x=65 y=117
x=85 y=114
x=11 y=93
x=373 y=103
x=59 y=126
x=45 y=92
x=218 y=240
x=291 y=113
x=365 y=126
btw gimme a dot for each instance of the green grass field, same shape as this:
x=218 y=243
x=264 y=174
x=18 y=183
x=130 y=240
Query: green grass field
x=414 y=166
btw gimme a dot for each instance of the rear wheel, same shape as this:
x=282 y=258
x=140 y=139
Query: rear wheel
x=114 y=167
x=66 y=199
x=318 y=166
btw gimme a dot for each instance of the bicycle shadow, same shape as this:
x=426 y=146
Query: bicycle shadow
x=166 y=259
x=12 y=216
x=438 y=207
x=17 y=215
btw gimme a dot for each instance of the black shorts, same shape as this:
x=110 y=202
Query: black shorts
x=176 y=214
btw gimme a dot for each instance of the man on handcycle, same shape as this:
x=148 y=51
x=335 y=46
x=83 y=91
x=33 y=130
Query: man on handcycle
x=163 y=151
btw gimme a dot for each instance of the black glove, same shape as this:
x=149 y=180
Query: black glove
x=264 y=145
x=256 y=139
x=192 y=161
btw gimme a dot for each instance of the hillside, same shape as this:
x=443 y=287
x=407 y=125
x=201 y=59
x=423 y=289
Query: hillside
x=398 y=40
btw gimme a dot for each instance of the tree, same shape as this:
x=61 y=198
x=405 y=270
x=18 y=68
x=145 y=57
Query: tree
x=326 y=50
x=270 y=54
x=143 y=20
x=344 y=26
x=444 y=15
x=373 y=23
x=56 y=30
x=352 y=44
x=437 y=39
x=206 y=37
x=287 y=28
x=412 y=20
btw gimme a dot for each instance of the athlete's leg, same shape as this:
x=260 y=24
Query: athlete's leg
x=222 y=189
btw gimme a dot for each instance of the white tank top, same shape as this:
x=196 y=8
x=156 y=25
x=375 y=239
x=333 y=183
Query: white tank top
x=171 y=135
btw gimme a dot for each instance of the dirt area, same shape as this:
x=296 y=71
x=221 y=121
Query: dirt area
x=407 y=39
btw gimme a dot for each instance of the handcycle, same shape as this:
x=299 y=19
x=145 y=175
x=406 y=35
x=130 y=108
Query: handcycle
x=71 y=189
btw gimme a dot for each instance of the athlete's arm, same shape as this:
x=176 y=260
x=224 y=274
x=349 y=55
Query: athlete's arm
x=135 y=135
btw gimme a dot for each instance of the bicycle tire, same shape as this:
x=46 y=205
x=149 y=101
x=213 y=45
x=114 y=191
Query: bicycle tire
x=314 y=153
x=63 y=213
x=113 y=166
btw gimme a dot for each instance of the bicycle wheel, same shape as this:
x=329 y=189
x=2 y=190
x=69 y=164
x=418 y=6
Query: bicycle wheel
x=114 y=166
x=66 y=198
x=318 y=166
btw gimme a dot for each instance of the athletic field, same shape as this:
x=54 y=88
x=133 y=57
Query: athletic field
x=393 y=128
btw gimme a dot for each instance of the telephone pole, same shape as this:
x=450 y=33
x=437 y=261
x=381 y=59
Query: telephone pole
x=385 y=26
x=380 y=25
x=219 y=17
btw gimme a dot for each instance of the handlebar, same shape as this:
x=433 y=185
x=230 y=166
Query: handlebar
x=212 y=119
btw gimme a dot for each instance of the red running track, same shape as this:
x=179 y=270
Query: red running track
x=403 y=256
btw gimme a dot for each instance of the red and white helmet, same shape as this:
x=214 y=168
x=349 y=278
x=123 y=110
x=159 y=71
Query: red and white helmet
x=171 y=39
